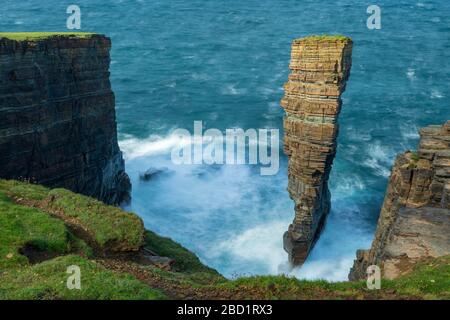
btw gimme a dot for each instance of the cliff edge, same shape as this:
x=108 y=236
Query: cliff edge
x=414 y=222
x=57 y=114
x=45 y=231
x=320 y=67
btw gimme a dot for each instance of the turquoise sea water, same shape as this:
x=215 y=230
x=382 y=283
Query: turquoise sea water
x=224 y=62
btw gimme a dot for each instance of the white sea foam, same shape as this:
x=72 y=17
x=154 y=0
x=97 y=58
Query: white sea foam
x=360 y=135
x=225 y=215
x=232 y=90
x=331 y=259
x=331 y=270
x=154 y=145
x=436 y=94
x=411 y=74
x=380 y=159
x=261 y=244
x=333 y=255
x=200 y=76
x=348 y=186
x=409 y=132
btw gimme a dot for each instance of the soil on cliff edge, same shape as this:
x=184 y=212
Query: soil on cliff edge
x=38 y=245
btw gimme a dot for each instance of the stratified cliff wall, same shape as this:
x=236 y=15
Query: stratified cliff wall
x=414 y=222
x=320 y=67
x=57 y=116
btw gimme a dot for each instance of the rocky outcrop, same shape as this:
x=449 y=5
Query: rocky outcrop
x=57 y=116
x=414 y=222
x=320 y=67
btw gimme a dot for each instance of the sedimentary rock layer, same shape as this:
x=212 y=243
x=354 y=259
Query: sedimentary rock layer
x=320 y=67
x=57 y=116
x=414 y=222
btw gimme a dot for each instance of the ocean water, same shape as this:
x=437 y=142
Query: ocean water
x=224 y=62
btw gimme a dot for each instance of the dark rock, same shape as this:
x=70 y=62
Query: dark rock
x=57 y=116
x=164 y=263
x=152 y=173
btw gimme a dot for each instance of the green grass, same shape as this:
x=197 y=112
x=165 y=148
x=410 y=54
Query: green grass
x=21 y=225
x=24 y=224
x=324 y=37
x=108 y=225
x=415 y=156
x=35 y=36
x=48 y=280
x=185 y=260
x=429 y=280
x=23 y=189
x=289 y=288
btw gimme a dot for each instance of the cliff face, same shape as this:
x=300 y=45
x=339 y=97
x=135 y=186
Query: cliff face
x=57 y=116
x=320 y=67
x=414 y=221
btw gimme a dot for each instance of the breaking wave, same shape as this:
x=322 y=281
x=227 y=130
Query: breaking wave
x=154 y=145
x=379 y=159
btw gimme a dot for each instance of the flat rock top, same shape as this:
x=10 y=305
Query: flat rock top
x=36 y=36
x=323 y=38
x=13 y=42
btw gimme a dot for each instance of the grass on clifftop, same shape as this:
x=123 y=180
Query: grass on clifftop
x=48 y=280
x=430 y=279
x=24 y=219
x=34 y=36
x=324 y=37
x=185 y=260
x=20 y=226
x=108 y=225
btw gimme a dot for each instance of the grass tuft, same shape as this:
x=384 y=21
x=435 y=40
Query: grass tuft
x=324 y=37
x=185 y=260
x=109 y=226
x=48 y=280
x=36 y=36
x=21 y=225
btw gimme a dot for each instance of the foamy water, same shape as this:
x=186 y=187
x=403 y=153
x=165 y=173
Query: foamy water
x=234 y=219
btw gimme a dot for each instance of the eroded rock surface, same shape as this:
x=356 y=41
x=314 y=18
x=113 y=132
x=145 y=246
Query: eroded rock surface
x=414 y=221
x=320 y=67
x=57 y=116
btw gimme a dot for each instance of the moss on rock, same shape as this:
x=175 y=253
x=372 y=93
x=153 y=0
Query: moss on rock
x=35 y=36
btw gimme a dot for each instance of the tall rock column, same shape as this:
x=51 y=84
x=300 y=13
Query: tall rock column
x=320 y=67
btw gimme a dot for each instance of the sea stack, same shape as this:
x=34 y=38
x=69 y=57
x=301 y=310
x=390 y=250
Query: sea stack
x=320 y=67
x=414 y=222
x=57 y=114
